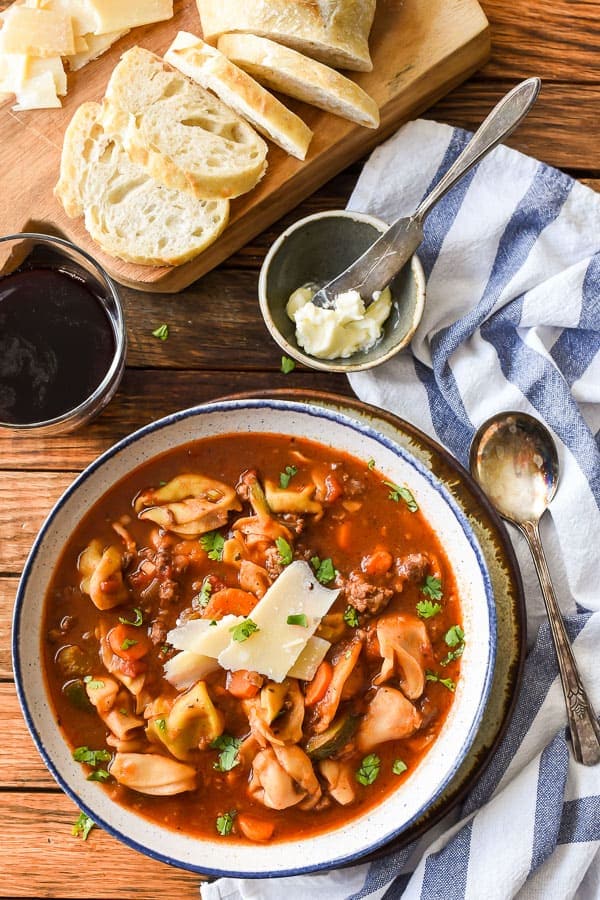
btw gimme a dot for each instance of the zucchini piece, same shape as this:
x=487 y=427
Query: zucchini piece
x=331 y=741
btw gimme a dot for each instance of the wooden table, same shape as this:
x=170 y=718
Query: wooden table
x=217 y=345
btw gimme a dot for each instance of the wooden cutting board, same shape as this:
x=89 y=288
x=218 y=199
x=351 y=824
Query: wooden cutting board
x=421 y=49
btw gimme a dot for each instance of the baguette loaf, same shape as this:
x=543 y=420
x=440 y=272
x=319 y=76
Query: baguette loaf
x=211 y=69
x=182 y=135
x=335 y=32
x=127 y=212
x=289 y=72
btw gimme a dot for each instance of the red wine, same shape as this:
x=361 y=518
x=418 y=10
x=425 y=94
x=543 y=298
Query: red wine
x=56 y=345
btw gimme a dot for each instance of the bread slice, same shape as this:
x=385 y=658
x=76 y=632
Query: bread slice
x=182 y=135
x=289 y=72
x=127 y=212
x=210 y=68
x=335 y=32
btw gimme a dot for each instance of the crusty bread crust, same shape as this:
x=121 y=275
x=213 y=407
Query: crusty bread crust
x=335 y=32
x=211 y=69
x=183 y=136
x=289 y=72
x=127 y=212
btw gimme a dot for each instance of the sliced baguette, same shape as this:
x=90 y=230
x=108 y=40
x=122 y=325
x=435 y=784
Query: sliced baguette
x=289 y=72
x=211 y=69
x=183 y=136
x=335 y=32
x=127 y=212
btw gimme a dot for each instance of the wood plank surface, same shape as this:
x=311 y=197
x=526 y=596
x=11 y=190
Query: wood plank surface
x=8 y=589
x=419 y=52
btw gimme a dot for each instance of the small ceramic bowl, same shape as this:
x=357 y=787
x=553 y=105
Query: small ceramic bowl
x=79 y=295
x=315 y=250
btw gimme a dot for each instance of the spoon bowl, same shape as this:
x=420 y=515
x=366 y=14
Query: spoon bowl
x=514 y=459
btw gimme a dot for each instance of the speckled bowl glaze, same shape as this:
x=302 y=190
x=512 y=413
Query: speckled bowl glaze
x=313 y=251
x=430 y=779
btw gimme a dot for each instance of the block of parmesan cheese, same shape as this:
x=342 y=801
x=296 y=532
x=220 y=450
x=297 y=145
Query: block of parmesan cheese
x=37 y=32
x=275 y=646
x=117 y=15
x=97 y=44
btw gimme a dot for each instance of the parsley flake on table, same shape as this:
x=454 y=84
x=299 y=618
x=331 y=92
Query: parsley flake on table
x=287 y=365
x=224 y=823
x=399 y=766
x=228 y=757
x=242 y=632
x=285 y=551
x=137 y=621
x=397 y=492
x=91 y=757
x=432 y=588
x=324 y=569
x=351 y=617
x=82 y=827
x=455 y=639
x=426 y=609
x=286 y=475
x=162 y=332
x=99 y=775
x=447 y=682
x=213 y=542
x=369 y=769
x=298 y=619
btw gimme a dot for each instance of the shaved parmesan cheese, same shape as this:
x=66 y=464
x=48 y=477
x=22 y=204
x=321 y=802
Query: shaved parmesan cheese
x=185 y=669
x=115 y=15
x=38 y=93
x=13 y=71
x=273 y=649
x=37 y=32
x=53 y=64
x=83 y=16
x=310 y=659
x=97 y=44
x=199 y=636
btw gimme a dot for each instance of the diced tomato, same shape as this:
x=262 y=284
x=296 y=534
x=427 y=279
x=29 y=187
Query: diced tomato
x=334 y=489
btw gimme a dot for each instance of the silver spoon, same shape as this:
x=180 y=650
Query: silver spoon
x=514 y=459
x=378 y=265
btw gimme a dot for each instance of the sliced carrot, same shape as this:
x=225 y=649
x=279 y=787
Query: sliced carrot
x=343 y=536
x=128 y=642
x=229 y=602
x=244 y=684
x=255 y=829
x=317 y=688
x=377 y=563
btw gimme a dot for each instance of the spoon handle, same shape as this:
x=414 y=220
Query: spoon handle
x=502 y=120
x=583 y=724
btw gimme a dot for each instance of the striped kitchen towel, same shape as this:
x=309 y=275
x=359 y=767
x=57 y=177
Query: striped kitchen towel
x=512 y=321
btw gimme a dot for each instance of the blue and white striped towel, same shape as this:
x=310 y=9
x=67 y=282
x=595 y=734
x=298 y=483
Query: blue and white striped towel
x=512 y=321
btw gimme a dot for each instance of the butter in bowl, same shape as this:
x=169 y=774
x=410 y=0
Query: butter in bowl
x=312 y=252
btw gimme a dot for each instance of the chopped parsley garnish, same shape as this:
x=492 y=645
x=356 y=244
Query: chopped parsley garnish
x=455 y=638
x=324 y=569
x=299 y=619
x=93 y=684
x=224 y=823
x=369 y=769
x=212 y=623
x=139 y=618
x=91 y=757
x=228 y=757
x=426 y=609
x=205 y=592
x=371 y=464
x=286 y=475
x=432 y=588
x=82 y=827
x=242 y=632
x=397 y=492
x=447 y=682
x=399 y=766
x=99 y=775
x=351 y=617
x=286 y=554
x=287 y=365
x=128 y=643
x=162 y=332
x=213 y=542
x=161 y=724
